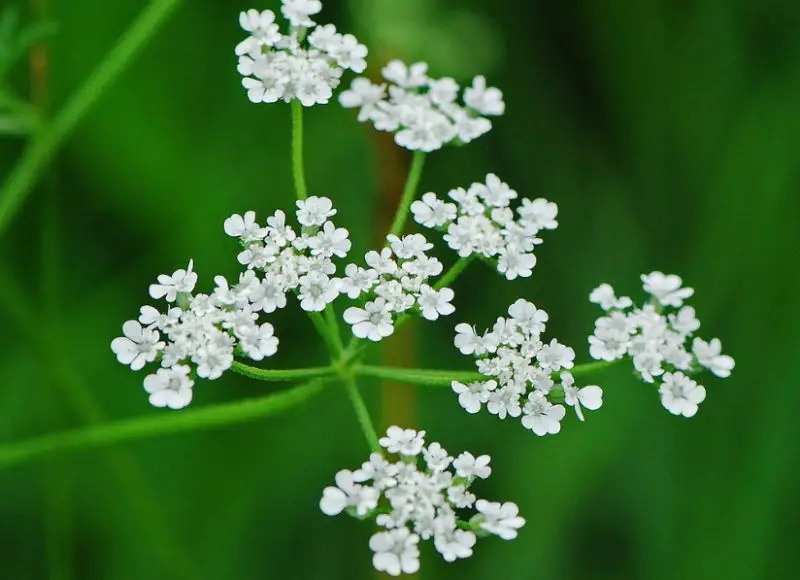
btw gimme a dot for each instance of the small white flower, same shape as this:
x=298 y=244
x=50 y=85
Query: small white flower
x=590 y=397
x=494 y=192
x=381 y=262
x=432 y=212
x=314 y=211
x=433 y=303
x=396 y=551
x=363 y=94
x=168 y=287
x=138 y=347
x=468 y=342
x=541 y=416
x=267 y=295
x=358 y=280
x=259 y=342
x=317 y=291
x=436 y=457
x=684 y=321
x=605 y=297
x=378 y=470
x=455 y=544
x=468 y=466
x=709 y=355
x=487 y=101
x=514 y=264
x=348 y=494
x=666 y=288
x=403 y=441
x=504 y=402
x=472 y=395
x=298 y=12
x=529 y=319
x=680 y=395
x=262 y=28
x=244 y=227
x=170 y=387
x=409 y=247
x=330 y=241
x=502 y=520
x=406 y=77
x=538 y=214
x=374 y=321
x=556 y=356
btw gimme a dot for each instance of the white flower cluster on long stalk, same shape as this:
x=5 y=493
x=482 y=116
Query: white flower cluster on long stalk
x=419 y=493
x=524 y=375
x=656 y=337
x=196 y=336
x=305 y=64
x=424 y=112
x=481 y=223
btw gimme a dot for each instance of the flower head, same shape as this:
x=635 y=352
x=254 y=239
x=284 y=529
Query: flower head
x=659 y=339
x=306 y=64
x=423 y=112
x=421 y=493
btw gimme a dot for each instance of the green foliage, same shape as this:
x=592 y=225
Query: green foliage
x=667 y=132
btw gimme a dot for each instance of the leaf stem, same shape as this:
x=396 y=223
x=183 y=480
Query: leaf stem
x=148 y=427
x=409 y=193
x=297 y=150
x=47 y=141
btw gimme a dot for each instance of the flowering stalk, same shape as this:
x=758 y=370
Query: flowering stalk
x=409 y=193
x=362 y=413
x=445 y=378
x=454 y=272
x=297 y=151
x=281 y=375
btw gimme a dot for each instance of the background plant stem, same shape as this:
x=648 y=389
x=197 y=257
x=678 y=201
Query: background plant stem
x=28 y=171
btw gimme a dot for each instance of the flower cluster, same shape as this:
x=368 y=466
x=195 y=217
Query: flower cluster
x=523 y=372
x=290 y=262
x=423 y=112
x=196 y=336
x=305 y=64
x=481 y=222
x=199 y=334
x=395 y=281
x=657 y=338
x=414 y=502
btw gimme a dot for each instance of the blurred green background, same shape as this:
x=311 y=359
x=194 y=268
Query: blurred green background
x=668 y=132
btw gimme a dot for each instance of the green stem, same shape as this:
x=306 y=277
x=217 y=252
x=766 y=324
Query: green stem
x=432 y=378
x=27 y=172
x=362 y=413
x=333 y=327
x=278 y=375
x=454 y=272
x=164 y=423
x=409 y=193
x=444 y=378
x=325 y=333
x=297 y=150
